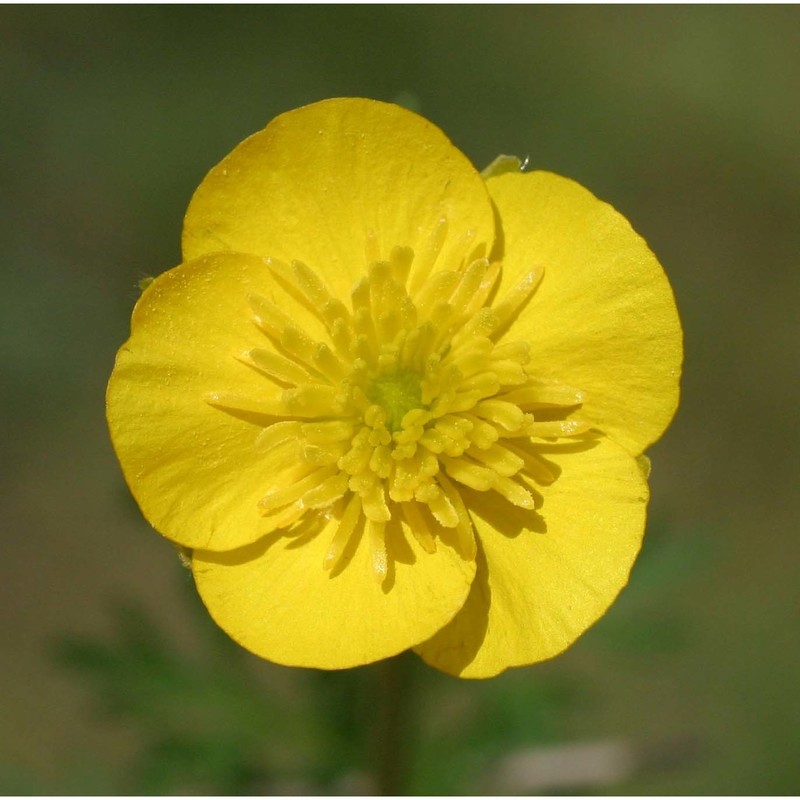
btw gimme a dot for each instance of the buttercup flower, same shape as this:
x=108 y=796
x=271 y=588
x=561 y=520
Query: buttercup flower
x=391 y=403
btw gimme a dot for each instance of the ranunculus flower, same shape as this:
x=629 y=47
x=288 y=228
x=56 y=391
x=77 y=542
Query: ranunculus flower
x=391 y=403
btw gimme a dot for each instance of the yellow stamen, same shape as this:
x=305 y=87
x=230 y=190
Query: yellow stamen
x=419 y=526
x=377 y=545
x=230 y=401
x=513 y=302
x=347 y=525
x=285 y=494
x=275 y=435
x=408 y=398
x=276 y=366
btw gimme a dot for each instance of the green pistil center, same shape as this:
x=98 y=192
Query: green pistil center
x=397 y=393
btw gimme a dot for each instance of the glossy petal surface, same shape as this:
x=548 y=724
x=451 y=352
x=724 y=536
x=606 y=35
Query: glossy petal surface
x=604 y=318
x=275 y=599
x=319 y=182
x=193 y=469
x=543 y=580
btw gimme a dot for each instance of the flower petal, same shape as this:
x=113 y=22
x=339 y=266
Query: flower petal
x=275 y=598
x=543 y=580
x=320 y=181
x=195 y=470
x=603 y=319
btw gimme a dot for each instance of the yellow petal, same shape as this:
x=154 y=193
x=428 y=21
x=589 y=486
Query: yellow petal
x=543 y=579
x=603 y=319
x=338 y=184
x=276 y=599
x=197 y=471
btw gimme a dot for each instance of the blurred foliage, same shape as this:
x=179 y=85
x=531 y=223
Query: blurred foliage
x=202 y=723
x=218 y=721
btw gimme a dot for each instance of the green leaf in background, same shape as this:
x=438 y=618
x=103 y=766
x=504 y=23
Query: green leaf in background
x=206 y=724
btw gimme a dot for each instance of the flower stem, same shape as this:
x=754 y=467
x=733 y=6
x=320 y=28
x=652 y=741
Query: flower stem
x=392 y=729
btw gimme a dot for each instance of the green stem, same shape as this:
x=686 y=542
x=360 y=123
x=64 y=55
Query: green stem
x=392 y=734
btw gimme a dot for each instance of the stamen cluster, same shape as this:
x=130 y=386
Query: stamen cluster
x=411 y=397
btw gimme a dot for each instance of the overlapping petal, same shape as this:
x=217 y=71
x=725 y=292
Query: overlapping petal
x=544 y=579
x=275 y=599
x=604 y=318
x=193 y=469
x=323 y=183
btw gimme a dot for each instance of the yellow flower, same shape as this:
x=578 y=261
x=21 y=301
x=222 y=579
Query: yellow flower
x=391 y=403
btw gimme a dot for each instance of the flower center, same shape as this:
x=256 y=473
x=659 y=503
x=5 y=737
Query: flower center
x=397 y=393
x=411 y=400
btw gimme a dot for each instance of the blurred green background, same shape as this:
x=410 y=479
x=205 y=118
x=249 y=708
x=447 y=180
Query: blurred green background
x=687 y=119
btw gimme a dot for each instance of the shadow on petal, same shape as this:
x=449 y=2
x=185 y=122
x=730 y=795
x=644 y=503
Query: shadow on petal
x=507 y=519
x=306 y=529
x=350 y=549
x=397 y=549
x=241 y=555
x=259 y=419
x=299 y=535
x=397 y=546
x=456 y=645
x=579 y=444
